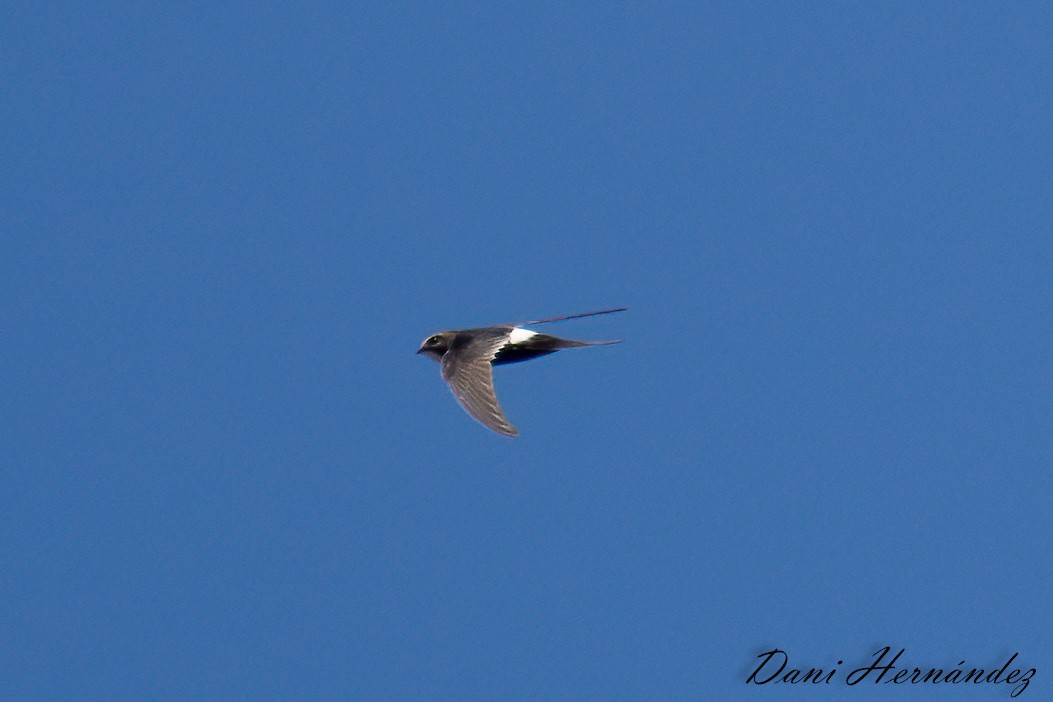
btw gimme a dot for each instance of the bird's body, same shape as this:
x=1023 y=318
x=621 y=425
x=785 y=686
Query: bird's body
x=467 y=355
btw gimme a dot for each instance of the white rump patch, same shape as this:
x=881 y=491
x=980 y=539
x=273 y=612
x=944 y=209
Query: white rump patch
x=519 y=335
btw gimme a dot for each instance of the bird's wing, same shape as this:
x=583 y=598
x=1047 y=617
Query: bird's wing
x=576 y=316
x=466 y=369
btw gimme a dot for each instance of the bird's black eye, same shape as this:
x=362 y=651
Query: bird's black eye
x=435 y=341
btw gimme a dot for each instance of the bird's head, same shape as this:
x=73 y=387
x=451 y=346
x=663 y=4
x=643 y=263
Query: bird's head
x=436 y=345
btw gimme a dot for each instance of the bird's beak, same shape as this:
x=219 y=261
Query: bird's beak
x=420 y=350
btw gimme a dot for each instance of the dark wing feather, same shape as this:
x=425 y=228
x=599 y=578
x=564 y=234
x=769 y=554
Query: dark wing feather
x=576 y=316
x=466 y=369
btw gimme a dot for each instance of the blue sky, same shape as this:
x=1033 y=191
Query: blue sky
x=226 y=230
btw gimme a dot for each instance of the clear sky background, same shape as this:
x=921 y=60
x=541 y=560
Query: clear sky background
x=227 y=228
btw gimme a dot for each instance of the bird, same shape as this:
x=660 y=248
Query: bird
x=468 y=355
